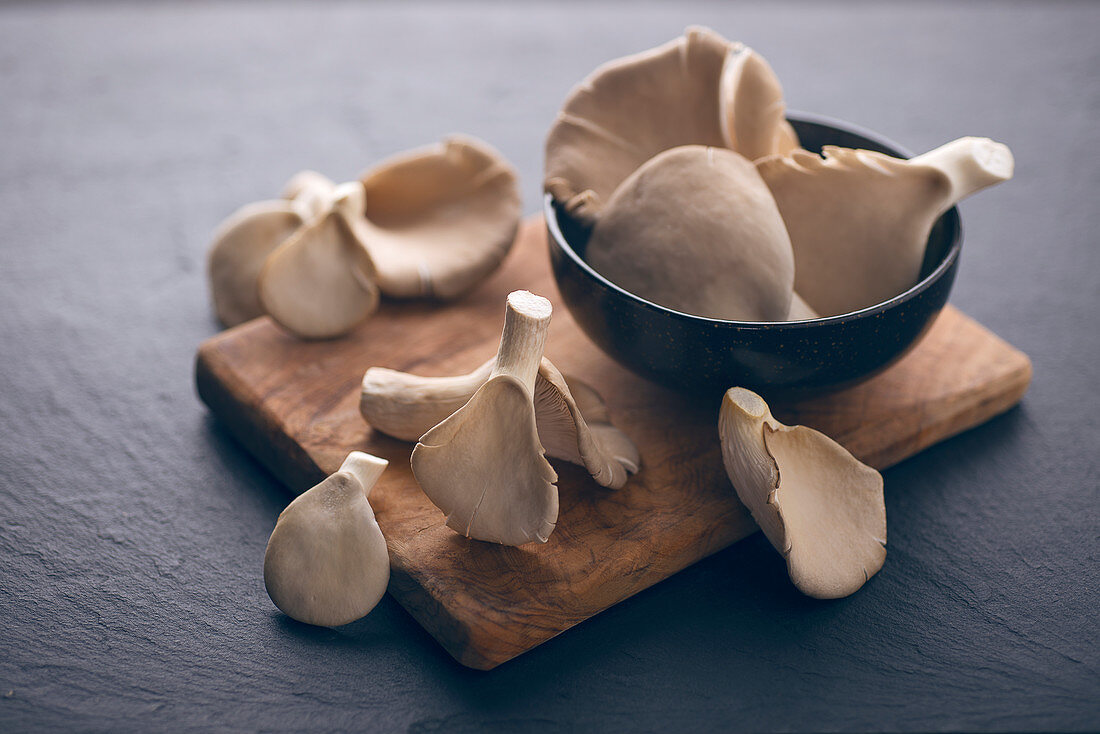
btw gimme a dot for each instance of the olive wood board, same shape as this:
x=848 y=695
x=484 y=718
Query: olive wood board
x=294 y=405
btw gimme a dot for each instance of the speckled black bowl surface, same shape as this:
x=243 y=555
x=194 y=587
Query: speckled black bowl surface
x=778 y=360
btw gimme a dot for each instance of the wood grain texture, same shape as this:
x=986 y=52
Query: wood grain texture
x=294 y=405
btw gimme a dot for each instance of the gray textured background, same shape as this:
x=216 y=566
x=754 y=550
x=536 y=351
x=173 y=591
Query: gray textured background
x=132 y=528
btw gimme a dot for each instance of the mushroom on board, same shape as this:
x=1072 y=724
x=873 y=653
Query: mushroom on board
x=241 y=245
x=572 y=419
x=820 y=507
x=483 y=466
x=698 y=89
x=320 y=283
x=326 y=562
x=696 y=230
x=439 y=219
x=859 y=221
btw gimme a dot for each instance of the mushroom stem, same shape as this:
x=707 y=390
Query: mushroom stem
x=970 y=164
x=365 y=468
x=526 y=321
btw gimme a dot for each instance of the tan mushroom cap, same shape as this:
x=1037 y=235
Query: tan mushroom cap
x=572 y=420
x=859 y=221
x=320 y=283
x=694 y=90
x=484 y=465
x=326 y=562
x=241 y=245
x=439 y=219
x=695 y=229
x=820 y=507
x=753 y=113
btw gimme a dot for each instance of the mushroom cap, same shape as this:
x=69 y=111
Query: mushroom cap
x=752 y=107
x=629 y=110
x=241 y=245
x=484 y=467
x=818 y=505
x=694 y=90
x=859 y=221
x=326 y=562
x=439 y=219
x=695 y=229
x=319 y=284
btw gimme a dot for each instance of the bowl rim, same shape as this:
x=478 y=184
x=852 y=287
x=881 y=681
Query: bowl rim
x=945 y=264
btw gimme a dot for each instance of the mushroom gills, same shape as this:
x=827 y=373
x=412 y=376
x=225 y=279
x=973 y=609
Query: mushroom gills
x=818 y=505
x=439 y=219
x=326 y=561
x=571 y=418
x=859 y=221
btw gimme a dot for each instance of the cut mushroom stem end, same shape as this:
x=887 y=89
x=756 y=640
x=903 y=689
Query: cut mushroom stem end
x=970 y=164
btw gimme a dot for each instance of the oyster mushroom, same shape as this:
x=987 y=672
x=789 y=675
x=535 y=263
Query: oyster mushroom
x=820 y=507
x=241 y=246
x=320 y=283
x=484 y=465
x=695 y=229
x=326 y=562
x=439 y=219
x=699 y=89
x=859 y=221
x=572 y=420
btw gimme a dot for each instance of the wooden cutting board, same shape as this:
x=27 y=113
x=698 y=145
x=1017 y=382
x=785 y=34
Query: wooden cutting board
x=294 y=405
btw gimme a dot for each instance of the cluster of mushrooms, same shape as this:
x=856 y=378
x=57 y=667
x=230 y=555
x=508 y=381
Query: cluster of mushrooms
x=427 y=223
x=699 y=198
x=481 y=445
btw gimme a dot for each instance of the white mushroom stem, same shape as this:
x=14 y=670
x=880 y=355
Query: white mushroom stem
x=367 y=468
x=820 y=507
x=970 y=164
x=526 y=321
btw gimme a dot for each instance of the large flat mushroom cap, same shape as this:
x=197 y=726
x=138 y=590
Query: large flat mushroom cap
x=439 y=219
x=326 y=562
x=629 y=110
x=818 y=505
x=241 y=245
x=484 y=468
x=319 y=284
x=695 y=229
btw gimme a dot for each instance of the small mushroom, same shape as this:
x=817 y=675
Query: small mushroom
x=439 y=219
x=859 y=221
x=320 y=283
x=484 y=465
x=326 y=562
x=820 y=507
x=241 y=245
x=572 y=420
x=695 y=229
x=698 y=89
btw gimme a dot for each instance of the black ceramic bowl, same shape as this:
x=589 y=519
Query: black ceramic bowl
x=788 y=359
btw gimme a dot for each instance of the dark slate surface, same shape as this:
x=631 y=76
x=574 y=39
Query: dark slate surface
x=132 y=528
